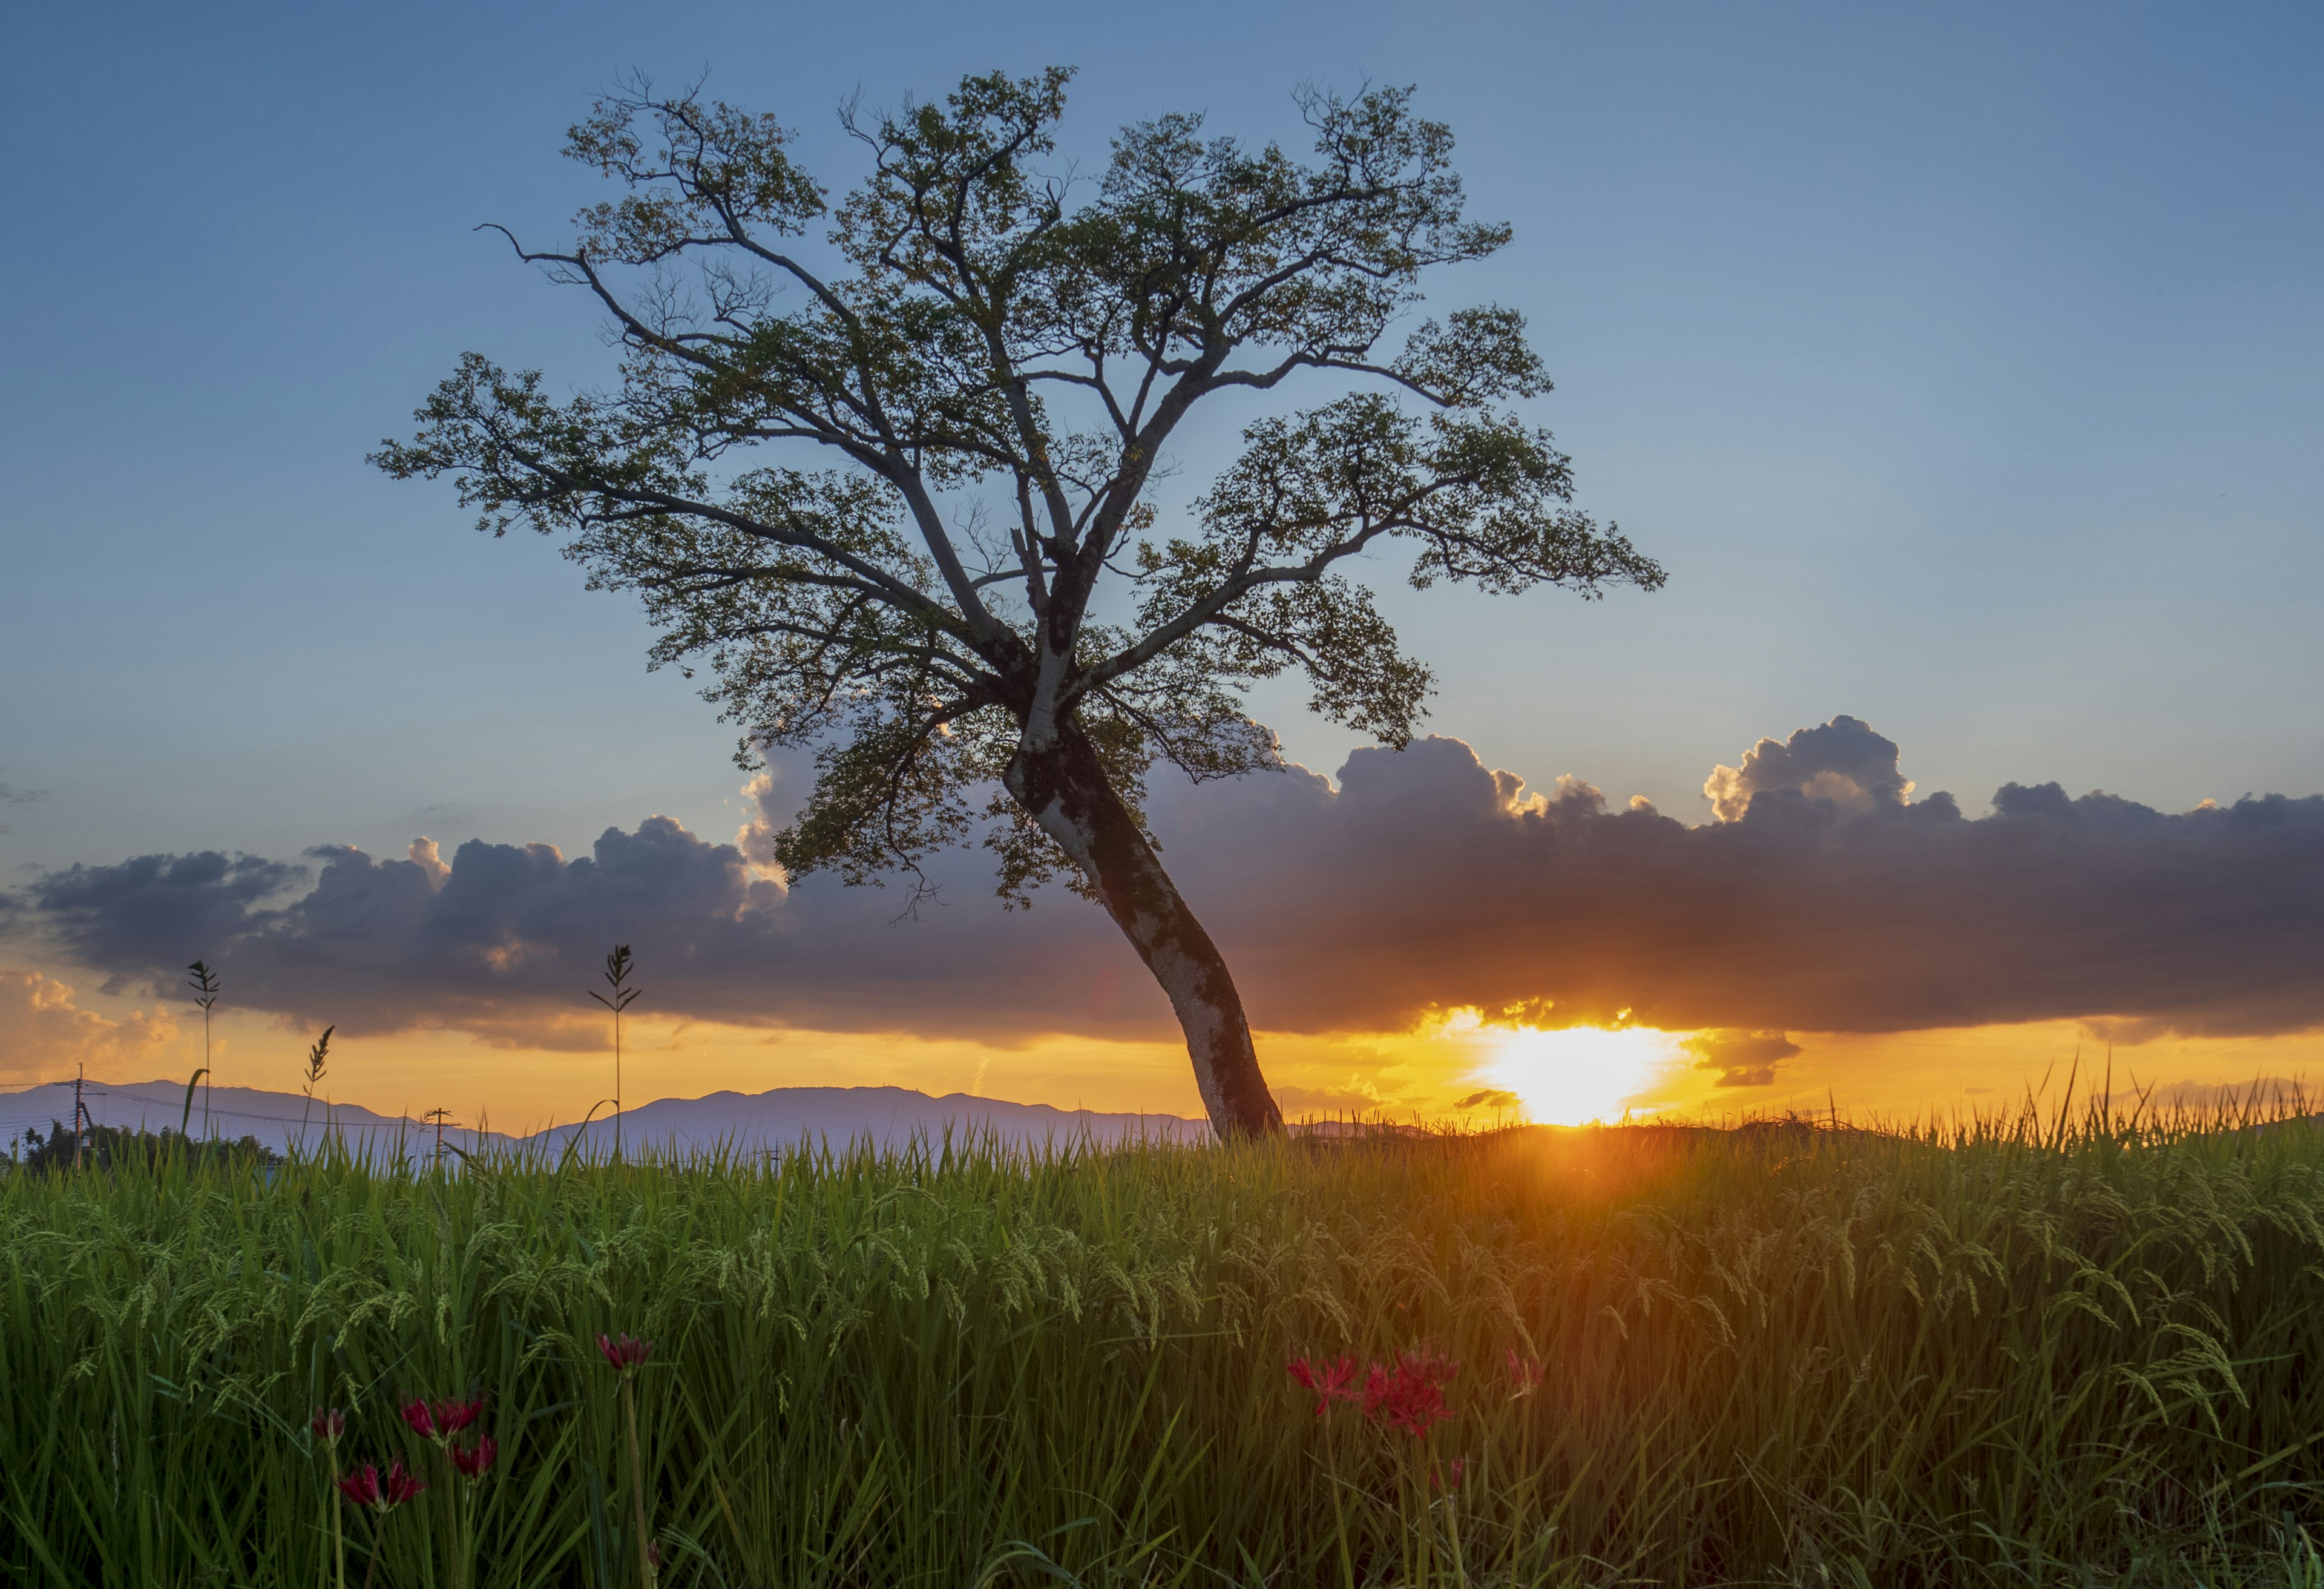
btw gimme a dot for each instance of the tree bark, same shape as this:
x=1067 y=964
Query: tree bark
x=1062 y=786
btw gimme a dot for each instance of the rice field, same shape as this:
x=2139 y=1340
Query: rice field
x=2028 y=1352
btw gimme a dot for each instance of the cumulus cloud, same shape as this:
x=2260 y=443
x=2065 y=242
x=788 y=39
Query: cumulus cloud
x=1842 y=761
x=432 y=865
x=1826 y=901
x=43 y=1033
x=756 y=837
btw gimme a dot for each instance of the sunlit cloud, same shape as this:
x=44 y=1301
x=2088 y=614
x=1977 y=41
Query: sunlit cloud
x=45 y=1034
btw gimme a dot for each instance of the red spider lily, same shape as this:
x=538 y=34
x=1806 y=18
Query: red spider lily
x=422 y=1421
x=1410 y=1396
x=1332 y=1382
x=398 y=1487
x=452 y=1417
x=365 y=1487
x=1525 y=1373
x=1449 y=1476
x=360 y=1487
x=475 y=1461
x=628 y=1353
x=328 y=1423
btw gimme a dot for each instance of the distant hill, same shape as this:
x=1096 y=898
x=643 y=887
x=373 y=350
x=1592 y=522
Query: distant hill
x=278 y=1120
x=746 y=1123
x=888 y=1117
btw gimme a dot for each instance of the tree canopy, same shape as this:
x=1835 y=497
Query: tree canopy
x=876 y=461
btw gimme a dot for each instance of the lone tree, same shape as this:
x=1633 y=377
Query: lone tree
x=970 y=611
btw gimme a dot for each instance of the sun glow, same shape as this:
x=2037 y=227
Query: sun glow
x=1575 y=1074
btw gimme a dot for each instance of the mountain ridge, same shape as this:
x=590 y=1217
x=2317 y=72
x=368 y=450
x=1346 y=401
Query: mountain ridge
x=776 y=1119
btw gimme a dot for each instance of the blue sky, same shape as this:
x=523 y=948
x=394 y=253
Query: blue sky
x=1961 y=363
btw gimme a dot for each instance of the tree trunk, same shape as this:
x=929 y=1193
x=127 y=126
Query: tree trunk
x=1063 y=788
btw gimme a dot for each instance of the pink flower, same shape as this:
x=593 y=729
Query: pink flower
x=360 y=1487
x=398 y=1487
x=1332 y=1382
x=1525 y=1373
x=475 y=1461
x=422 y=1421
x=328 y=1423
x=452 y=1417
x=628 y=1353
x=1448 y=1477
x=1411 y=1395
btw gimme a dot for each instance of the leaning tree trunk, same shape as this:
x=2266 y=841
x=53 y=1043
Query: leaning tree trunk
x=1063 y=788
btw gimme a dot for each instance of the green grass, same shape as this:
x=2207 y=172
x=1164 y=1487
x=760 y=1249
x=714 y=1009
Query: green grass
x=2019 y=1354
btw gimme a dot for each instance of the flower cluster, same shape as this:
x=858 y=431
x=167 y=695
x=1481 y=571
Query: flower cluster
x=626 y=1353
x=366 y=1488
x=1332 y=1382
x=1406 y=1394
x=443 y=1420
x=475 y=1461
x=1525 y=1375
x=368 y=1491
x=1410 y=1394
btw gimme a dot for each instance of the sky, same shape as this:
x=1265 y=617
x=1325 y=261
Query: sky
x=1961 y=366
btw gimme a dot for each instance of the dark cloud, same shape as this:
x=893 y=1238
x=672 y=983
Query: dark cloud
x=1831 y=901
x=1742 y=1058
x=1424 y=880
x=504 y=938
x=147 y=917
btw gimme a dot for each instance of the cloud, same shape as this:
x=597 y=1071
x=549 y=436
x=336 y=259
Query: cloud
x=1424 y=880
x=43 y=1033
x=502 y=940
x=756 y=837
x=1842 y=761
x=1829 y=902
x=1742 y=1058
x=157 y=912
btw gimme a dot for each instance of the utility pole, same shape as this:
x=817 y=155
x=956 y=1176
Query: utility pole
x=439 y=1116
x=80 y=1112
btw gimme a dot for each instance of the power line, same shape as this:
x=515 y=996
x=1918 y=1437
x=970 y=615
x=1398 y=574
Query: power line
x=381 y=1121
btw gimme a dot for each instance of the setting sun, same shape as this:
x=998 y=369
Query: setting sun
x=1575 y=1074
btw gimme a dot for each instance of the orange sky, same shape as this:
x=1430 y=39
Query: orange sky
x=1565 y=1076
